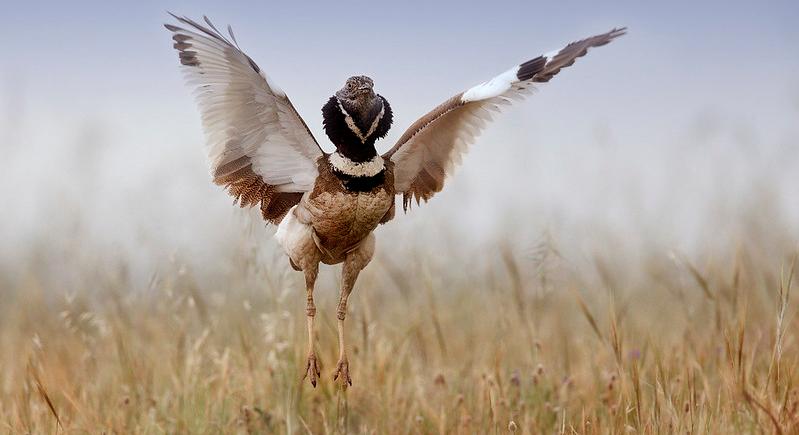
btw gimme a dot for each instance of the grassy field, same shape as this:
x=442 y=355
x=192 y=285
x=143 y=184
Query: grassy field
x=510 y=341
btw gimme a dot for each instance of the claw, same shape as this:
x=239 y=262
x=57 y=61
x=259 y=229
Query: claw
x=343 y=369
x=312 y=369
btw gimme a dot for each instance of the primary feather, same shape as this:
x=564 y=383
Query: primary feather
x=257 y=144
x=432 y=146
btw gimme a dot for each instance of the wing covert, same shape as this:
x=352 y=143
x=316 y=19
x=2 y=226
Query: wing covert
x=433 y=146
x=257 y=145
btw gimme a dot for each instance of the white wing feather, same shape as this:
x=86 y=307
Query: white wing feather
x=246 y=117
x=431 y=148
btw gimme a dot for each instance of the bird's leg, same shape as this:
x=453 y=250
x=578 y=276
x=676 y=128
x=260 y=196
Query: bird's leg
x=312 y=365
x=349 y=275
x=353 y=264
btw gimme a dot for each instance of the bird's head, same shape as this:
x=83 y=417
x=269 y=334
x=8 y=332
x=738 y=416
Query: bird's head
x=358 y=95
x=355 y=117
x=357 y=87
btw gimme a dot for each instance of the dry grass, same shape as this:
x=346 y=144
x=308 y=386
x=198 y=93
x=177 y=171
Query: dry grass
x=531 y=342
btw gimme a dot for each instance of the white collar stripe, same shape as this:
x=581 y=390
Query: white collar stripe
x=354 y=127
x=377 y=120
x=346 y=166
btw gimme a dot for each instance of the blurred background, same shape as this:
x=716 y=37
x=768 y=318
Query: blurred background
x=681 y=136
x=614 y=252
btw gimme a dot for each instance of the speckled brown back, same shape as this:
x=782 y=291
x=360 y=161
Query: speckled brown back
x=249 y=189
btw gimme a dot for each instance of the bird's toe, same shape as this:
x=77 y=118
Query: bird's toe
x=312 y=371
x=343 y=371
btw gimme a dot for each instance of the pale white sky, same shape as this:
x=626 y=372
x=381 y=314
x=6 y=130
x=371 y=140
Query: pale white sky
x=680 y=126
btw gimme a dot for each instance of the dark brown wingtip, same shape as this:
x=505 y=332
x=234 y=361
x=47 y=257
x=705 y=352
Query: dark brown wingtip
x=529 y=69
x=618 y=31
x=613 y=34
x=210 y=31
x=172 y=27
x=572 y=51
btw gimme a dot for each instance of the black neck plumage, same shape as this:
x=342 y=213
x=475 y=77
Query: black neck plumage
x=361 y=184
x=358 y=145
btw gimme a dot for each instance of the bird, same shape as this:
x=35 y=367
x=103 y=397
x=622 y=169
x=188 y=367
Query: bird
x=326 y=206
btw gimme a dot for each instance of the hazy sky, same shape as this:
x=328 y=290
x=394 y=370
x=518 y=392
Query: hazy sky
x=109 y=60
x=698 y=103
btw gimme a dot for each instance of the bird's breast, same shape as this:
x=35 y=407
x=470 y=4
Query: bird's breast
x=342 y=218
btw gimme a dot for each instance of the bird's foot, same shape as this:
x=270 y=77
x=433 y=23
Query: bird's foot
x=343 y=370
x=312 y=369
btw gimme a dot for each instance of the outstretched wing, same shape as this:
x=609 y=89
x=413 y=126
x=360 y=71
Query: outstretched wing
x=430 y=149
x=258 y=145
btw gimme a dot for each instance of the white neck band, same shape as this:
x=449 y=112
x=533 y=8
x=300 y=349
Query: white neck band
x=368 y=168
